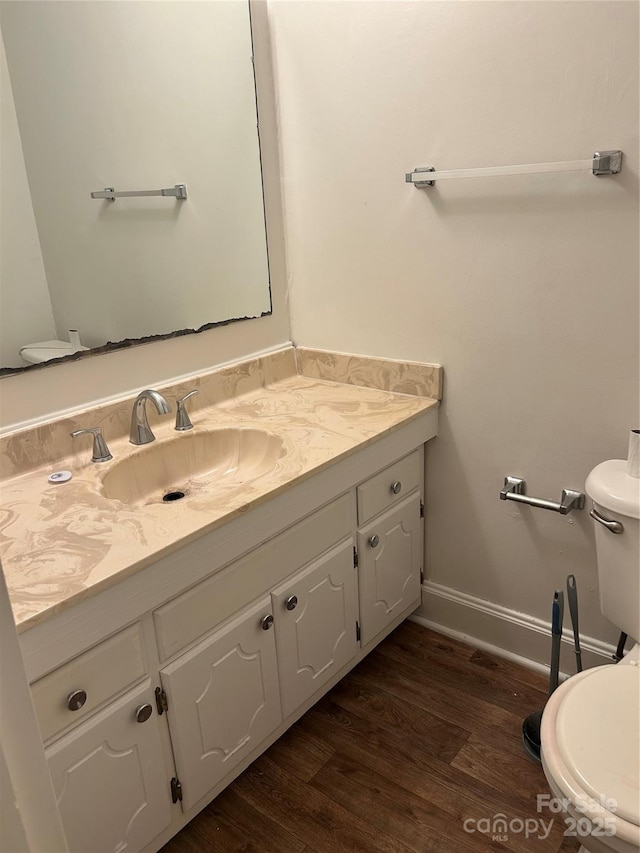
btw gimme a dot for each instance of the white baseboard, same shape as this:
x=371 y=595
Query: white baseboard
x=503 y=632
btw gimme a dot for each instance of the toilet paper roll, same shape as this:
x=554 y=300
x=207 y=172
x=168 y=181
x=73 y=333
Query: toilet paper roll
x=633 y=459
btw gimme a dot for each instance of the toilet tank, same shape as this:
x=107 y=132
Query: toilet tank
x=616 y=497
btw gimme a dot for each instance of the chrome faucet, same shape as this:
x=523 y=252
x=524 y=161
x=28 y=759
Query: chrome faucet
x=140 y=429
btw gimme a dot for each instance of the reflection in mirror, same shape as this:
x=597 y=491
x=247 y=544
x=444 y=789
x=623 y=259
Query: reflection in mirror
x=133 y=95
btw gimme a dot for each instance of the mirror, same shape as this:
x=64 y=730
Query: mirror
x=132 y=95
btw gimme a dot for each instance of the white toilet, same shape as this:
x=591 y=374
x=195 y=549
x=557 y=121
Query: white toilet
x=590 y=731
x=41 y=351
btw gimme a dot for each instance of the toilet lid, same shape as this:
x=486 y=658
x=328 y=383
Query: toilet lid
x=598 y=735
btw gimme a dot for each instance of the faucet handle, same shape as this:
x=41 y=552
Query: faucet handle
x=100 y=450
x=183 y=422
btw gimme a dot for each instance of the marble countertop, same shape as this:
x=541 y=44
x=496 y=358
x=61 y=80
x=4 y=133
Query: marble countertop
x=61 y=543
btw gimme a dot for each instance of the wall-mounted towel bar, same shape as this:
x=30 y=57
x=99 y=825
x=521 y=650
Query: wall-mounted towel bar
x=602 y=163
x=179 y=192
x=514 y=491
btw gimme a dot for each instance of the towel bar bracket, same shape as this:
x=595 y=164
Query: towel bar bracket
x=607 y=162
x=514 y=487
x=422 y=184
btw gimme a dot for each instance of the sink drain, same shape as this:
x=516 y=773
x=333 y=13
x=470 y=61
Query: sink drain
x=173 y=496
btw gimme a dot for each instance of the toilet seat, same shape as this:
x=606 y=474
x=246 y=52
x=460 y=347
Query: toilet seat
x=591 y=748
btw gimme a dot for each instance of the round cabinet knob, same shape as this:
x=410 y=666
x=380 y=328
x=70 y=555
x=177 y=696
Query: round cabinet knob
x=266 y=622
x=396 y=487
x=292 y=602
x=76 y=700
x=143 y=713
x=374 y=541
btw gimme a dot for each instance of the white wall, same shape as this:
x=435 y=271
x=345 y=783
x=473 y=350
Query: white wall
x=525 y=289
x=38 y=395
x=25 y=305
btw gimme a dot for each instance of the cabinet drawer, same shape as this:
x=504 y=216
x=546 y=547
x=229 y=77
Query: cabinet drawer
x=198 y=611
x=102 y=672
x=389 y=486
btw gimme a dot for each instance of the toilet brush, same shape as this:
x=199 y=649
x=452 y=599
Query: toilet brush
x=557 y=615
x=572 y=597
x=531 y=725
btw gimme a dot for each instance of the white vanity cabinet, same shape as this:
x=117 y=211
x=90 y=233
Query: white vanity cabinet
x=102 y=735
x=232 y=689
x=228 y=693
x=244 y=629
x=390 y=544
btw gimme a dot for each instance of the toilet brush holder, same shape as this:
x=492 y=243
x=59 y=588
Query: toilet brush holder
x=531 y=736
x=531 y=724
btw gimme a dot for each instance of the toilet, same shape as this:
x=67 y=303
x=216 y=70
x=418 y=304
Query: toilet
x=590 y=730
x=41 y=351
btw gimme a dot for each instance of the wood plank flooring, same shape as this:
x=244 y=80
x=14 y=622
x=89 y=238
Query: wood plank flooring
x=421 y=737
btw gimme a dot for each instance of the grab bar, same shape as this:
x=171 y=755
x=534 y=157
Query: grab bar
x=514 y=491
x=179 y=192
x=602 y=163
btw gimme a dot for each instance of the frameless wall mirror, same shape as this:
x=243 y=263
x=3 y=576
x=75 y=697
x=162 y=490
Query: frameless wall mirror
x=131 y=95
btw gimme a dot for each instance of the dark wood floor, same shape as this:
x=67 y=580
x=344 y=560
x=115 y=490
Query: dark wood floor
x=420 y=737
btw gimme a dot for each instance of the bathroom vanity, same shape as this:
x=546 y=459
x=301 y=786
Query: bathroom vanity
x=190 y=635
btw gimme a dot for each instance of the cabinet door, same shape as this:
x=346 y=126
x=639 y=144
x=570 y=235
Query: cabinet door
x=315 y=619
x=110 y=779
x=223 y=701
x=389 y=562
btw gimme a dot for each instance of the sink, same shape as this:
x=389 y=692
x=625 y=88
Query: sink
x=192 y=463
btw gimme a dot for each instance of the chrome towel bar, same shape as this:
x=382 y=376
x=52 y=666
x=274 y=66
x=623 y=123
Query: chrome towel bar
x=602 y=163
x=514 y=491
x=179 y=192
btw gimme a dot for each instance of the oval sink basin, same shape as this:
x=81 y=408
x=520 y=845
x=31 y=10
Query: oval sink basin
x=192 y=462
